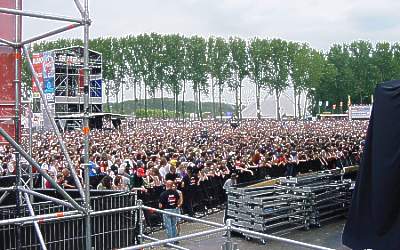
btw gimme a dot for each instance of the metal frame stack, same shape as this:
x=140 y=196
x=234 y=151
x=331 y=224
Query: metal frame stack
x=326 y=194
x=292 y=204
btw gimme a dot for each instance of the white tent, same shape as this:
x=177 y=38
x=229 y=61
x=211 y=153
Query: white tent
x=268 y=106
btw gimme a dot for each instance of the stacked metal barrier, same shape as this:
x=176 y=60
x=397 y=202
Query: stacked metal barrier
x=325 y=194
x=292 y=204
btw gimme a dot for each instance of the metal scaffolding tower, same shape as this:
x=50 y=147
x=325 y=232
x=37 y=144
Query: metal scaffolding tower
x=21 y=188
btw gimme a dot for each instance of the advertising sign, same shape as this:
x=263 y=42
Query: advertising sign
x=37 y=61
x=48 y=72
x=7 y=70
x=360 y=111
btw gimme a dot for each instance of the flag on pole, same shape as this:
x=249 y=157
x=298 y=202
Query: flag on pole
x=327 y=104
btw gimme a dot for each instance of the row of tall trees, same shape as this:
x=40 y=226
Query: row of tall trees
x=173 y=63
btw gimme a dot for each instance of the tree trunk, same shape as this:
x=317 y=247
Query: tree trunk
x=108 y=100
x=200 y=111
x=176 y=104
x=195 y=102
x=145 y=100
x=135 y=96
x=220 y=100
x=122 y=97
x=213 y=96
x=237 y=102
x=278 y=111
x=299 y=104
x=240 y=100
x=162 y=101
x=295 y=103
x=258 y=89
x=305 y=108
x=183 y=100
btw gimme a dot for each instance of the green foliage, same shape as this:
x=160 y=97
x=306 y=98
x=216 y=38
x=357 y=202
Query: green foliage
x=155 y=113
x=172 y=63
x=190 y=106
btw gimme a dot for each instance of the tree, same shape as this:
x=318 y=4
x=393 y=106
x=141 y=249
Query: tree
x=147 y=60
x=131 y=50
x=197 y=48
x=211 y=57
x=276 y=77
x=361 y=65
x=104 y=46
x=174 y=69
x=222 y=67
x=240 y=59
x=383 y=60
x=343 y=85
x=258 y=52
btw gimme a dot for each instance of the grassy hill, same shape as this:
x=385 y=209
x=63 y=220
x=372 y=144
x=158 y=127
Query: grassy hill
x=155 y=104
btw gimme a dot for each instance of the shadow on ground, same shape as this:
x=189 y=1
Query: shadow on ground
x=329 y=235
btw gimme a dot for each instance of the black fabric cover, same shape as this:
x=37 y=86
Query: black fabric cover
x=374 y=220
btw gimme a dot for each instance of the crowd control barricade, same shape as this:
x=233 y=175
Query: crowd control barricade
x=228 y=228
x=202 y=199
x=111 y=226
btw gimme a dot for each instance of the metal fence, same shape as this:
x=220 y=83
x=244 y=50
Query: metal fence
x=111 y=229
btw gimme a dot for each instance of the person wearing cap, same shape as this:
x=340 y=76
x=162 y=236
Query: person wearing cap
x=137 y=179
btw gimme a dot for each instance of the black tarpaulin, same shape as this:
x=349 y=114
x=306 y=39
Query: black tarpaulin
x=374 y=220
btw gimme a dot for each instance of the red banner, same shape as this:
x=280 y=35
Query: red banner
x=7 y=27
x=7 y=70
x=37 y=61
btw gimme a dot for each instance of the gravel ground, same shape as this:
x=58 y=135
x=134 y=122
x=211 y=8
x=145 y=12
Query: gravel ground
x=329 y=235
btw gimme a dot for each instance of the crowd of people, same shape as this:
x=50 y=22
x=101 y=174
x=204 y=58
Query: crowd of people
x=167 y=158
x=147 y=153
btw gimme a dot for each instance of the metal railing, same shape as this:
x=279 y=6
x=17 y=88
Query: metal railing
x=227 y=227
x=113 y=224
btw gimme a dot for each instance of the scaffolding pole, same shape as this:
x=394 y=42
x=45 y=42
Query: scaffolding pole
x=6 y=193
x=86 y=129
x=12 y=44
x=168 y=244
x=35 y=224
x=41 y=171
x=171 y=240
x=51 y=33
x=53 y=124
x=46 y=197
x=17 y=83
x=31 y=219
x=40 y=15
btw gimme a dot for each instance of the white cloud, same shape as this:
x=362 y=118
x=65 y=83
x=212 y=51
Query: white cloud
x=318 y=22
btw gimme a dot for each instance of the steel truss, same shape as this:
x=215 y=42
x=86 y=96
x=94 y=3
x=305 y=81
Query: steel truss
x=24 y=188
x=84 y=210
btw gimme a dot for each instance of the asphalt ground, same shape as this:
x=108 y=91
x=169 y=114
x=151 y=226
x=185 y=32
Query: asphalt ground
x=328 y=235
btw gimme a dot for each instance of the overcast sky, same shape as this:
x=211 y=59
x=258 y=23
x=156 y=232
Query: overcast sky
x=317 y=22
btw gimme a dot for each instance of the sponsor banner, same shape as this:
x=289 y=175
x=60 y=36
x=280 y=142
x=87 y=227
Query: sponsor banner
x=8 y=24
x=37 y=60
x=360 y=111
x=48 y=72
x=43 y=64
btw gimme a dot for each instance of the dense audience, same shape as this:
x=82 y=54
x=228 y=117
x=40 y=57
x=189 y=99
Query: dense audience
x=144 y=154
